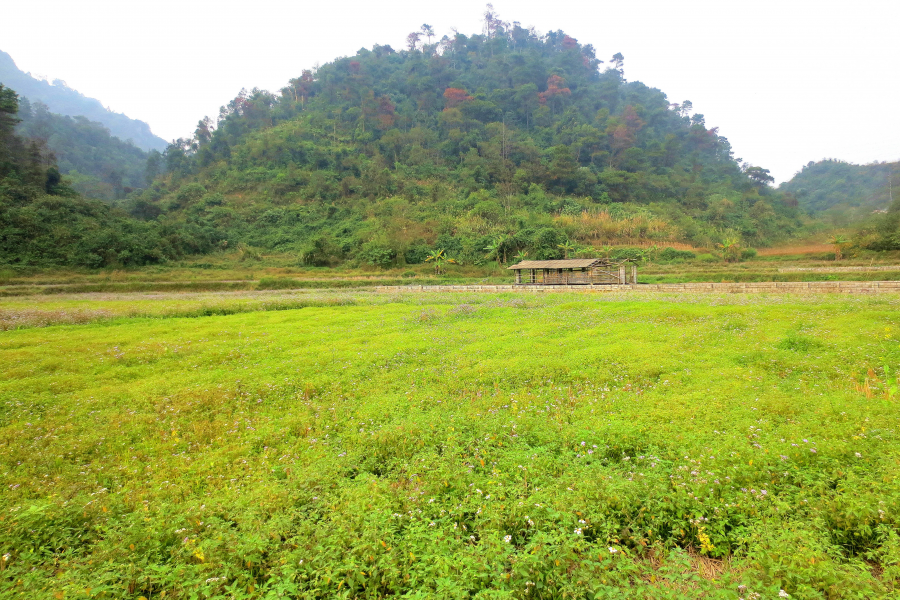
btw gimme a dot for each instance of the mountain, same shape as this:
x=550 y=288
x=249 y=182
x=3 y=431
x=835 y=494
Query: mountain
x=97 y=164
x=63 y=100
x=44 y=222
x=502 y=143
x=830 y=184
x=490 y=146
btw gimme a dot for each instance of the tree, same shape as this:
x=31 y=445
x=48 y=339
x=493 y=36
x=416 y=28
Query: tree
x=9 y=106
x=567 y=246
x=618 y=61
x=840 y=243
x=412 y=40
x=556 y=88
x=203 y=132
x=651 y=253
x=154 y=163
x=492 y=22
x=759 y=176
x=439 y=258
x=427 y=31
x=453 y=97
x=301 y=88
x=494 y=249
x=731 y=249
x=9 y=143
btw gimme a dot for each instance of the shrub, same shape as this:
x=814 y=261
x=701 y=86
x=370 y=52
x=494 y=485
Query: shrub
x=635 y=254
x=377 y=254
x=673 y=254
x=278 y=283
x=416 y=254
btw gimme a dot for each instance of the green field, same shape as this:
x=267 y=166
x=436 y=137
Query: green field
x=224 y=272
x=362 y=445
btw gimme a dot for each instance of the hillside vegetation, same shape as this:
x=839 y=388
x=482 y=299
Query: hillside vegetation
x=861 y=198
x=484 y=145
x=44 y=222
x=835 y=184
x=97 y=164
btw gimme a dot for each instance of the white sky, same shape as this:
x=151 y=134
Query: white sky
x=787 y=81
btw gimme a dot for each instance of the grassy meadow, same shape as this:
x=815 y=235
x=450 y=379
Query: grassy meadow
x=351 y=444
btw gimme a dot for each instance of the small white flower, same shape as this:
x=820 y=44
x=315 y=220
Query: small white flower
x=578 y=531
x=783 y=594
x=858 y=455
x=507 y=539
x=431 y=524
x=612 y=550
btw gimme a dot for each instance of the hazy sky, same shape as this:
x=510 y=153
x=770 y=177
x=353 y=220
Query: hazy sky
x=786 y=81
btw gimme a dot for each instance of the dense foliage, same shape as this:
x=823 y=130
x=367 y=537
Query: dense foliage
x=97 y=164
x=882 y=231
x=65 y=101
x=44 y=222
x=451 y=446
x=832 y=183
x=484 y=145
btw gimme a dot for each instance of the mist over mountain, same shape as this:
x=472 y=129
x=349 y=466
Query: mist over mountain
x=63 y=100
x=97 y=164
x=831 y=183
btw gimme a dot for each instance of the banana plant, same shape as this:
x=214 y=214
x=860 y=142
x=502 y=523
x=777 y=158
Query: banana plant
x=839 y=242
x=566 y=247
x=731 y=249
x=439 y=258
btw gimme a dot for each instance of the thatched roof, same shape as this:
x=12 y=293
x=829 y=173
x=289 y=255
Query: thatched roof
x=569 y=263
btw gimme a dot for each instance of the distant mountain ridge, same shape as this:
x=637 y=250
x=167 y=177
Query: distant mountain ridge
x=97 y=164
x=831 y=183
x=63 y=100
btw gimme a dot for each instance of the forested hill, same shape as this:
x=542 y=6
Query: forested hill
x=44 y=222
x=832 y=183
x=508 y=140
x=97 y=164
x=63 y=100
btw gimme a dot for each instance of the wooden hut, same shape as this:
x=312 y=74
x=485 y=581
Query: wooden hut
x=574 y=271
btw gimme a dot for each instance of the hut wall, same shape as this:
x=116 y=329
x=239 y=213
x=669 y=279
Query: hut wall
x=604 y=275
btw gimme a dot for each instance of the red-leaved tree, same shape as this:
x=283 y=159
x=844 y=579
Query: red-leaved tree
x=454 y=97
x=555 y=89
